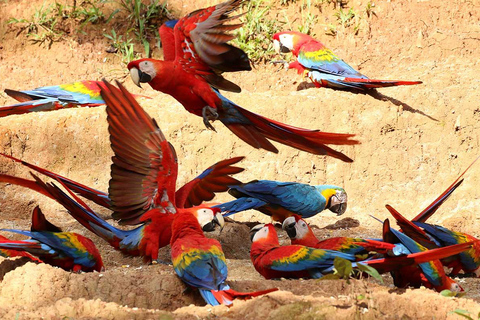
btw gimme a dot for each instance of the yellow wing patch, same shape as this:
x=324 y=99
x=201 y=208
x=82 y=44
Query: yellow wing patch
x=325 y=55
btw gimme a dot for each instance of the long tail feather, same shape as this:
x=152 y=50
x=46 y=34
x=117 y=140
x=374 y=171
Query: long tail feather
x=430 y=210
x=394 y=263
x=373 y=83
x=29 y=106
x=411 y=229
x=312 y=141
x=99 y=197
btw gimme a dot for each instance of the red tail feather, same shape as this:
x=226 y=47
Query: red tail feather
x=428 y=211
x=312 y=141
x=411 y=229
x=227 y=296
x=373 y=83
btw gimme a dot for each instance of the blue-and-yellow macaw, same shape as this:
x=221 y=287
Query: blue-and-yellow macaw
x=283 y=199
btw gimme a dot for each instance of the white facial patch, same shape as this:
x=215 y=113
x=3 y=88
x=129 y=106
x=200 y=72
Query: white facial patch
x=260 y=234
x=204 y=216
x=455 y=287
x=148 y=68
x=302 y=229
x=286 y=40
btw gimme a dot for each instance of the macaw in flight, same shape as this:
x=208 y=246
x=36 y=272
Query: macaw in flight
x=323 y=67
x=142 y=185
x=67 y=250
x=196 y=52
x=281 y=200
x=78 y=94
x=434 y=236
x=200 y=262
x=273 y=261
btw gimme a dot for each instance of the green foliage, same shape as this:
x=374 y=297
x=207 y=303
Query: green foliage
x=145 y=19
x=309 y=20
x=46 y=24
x=42 y=26
x=464 y=313
x=448 y=293
x=345 y=17
x=255 y=37
x=343 y=270
x=123 y=46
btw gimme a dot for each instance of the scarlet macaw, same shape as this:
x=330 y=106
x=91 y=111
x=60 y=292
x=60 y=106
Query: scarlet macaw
x=273 y=261
x=283 y=199
x=323 y=67
x=192 y=75
x=300 y=233
x=199 y=261
x=429 y=274
x=67 y=250
x=144 y=173
x=434 y=236
x=78 y=94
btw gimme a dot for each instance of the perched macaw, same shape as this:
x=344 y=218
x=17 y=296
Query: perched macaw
x=78 y=94
x=142 y=184
x=434 y=236
x=191 y=73
x=67 y=250
x=323 y=67
x=283 y=199
x=300 y=233
x=199 y=261
x=273 y=261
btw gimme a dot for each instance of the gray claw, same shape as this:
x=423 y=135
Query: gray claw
x=209 y=113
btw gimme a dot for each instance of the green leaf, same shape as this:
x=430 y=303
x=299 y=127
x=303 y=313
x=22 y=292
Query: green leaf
x=461 y=312
x=370 y=271
x=330 y=276
x=447 y=293
x=343 y=267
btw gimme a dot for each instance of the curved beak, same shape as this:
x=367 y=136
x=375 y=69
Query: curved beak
x=217 y=220
x=139 y=77
x=255 y=229
x=289 y=226
x=338 y=202
x=279 y=47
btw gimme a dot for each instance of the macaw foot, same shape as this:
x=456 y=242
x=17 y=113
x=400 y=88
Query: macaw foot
x=165 y=263
x=283 y=63
x=209 y=113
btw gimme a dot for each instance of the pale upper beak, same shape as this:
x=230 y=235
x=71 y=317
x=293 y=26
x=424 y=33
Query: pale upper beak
x=139 y=76
x=289 y=226
x=135 y=75
x=217 y=220
x=338 y=202
x=255 y=229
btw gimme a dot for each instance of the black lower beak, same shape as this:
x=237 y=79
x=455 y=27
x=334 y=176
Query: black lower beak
x=209 y=227
x=291 y=231
x=144 y=77
x=284 y=49
x=339 y=209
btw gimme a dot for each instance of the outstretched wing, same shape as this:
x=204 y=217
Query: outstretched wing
x=201 y=44
x=144 y=169
x=214 y=179
x=314 y=55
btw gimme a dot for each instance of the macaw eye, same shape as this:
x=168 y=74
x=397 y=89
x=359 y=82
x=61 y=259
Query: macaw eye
x=304 y=224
